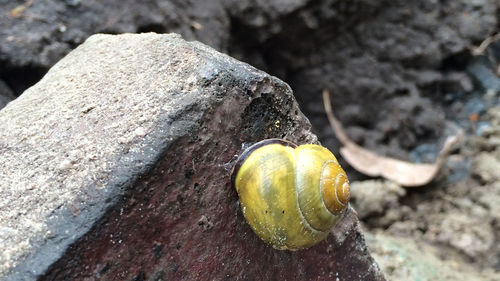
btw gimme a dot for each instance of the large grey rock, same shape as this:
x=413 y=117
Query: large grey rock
x=116 y=166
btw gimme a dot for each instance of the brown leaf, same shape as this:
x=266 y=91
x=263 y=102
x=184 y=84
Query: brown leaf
x=371 y=164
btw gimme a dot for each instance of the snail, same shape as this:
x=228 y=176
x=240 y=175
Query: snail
x=291 y=196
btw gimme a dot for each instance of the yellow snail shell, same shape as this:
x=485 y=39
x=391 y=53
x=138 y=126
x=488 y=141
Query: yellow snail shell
x=290 y=195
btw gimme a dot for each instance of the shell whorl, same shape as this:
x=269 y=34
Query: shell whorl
x=334 y=187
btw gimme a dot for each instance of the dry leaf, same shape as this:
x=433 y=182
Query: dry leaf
x=19 y=10
x=371 y=164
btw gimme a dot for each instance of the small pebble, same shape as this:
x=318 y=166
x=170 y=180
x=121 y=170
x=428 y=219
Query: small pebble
x=475 y=106
x=424 y=153
x=482 y=127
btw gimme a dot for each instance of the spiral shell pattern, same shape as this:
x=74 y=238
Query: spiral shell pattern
x=290 y=195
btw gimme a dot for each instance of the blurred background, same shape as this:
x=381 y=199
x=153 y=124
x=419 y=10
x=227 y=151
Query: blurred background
x=403 y=75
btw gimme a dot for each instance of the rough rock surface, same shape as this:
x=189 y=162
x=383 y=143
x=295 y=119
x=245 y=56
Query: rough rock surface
x=116 y=167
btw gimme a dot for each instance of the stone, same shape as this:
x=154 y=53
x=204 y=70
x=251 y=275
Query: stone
x=486 y=165
x=375 y=197
x=116 y=166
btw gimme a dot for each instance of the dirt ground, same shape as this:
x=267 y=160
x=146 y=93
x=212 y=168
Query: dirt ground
x=446 y=230
x=449 y=229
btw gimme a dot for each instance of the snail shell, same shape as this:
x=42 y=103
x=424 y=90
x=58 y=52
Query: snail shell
x=290 y=195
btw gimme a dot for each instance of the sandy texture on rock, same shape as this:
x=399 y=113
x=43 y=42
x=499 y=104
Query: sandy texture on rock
x=64 y=140
x=62 y=146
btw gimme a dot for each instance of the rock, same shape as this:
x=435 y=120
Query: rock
x=489 y=197
x=483 y=68
x=486 y=166
x=375 y=197
x=116 y=166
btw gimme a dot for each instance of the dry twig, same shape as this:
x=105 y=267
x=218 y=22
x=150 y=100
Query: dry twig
x=479 y=50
